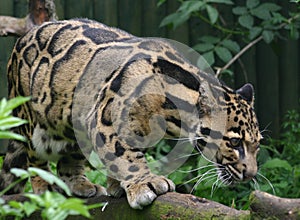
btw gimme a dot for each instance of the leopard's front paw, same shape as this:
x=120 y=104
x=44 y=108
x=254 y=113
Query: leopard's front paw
x=142 y=192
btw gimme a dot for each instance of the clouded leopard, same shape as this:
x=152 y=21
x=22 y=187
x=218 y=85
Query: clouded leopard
x=122 y=93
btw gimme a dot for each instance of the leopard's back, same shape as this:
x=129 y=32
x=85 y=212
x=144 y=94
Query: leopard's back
x=48 y=67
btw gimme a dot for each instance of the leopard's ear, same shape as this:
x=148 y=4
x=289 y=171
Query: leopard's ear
x=247 y=93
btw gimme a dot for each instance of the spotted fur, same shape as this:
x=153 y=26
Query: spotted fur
x=118 y=89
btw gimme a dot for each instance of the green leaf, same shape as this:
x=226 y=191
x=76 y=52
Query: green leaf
x=263 y=10
x=50 y=178
x=212 y=13
x=174 y=19
x=261 y=13
x=75 y=205
x=239 y=10
x=231 y=45
x=223 y=53
x=20 y=173
x=209 y=57
x=11 y=135
x=29 y=208
x=270 y=6
x=228 y=2
x=203 y=47
x=160 y=2
x=11 y=104
x=254 y=32
x=190 y=6
x=97 y=205
x=10 y=122
x=279 y=18
x=95 y=160
x=182 y=14
x=252 y=3
x=277 y=163
x=15 y=204
x=206 y=60
x=210 y=39
x=268 y=36
x=246 y=21
x=3 y=103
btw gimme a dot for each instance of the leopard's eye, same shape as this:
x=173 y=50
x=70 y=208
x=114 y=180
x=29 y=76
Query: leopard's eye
x=235 y=142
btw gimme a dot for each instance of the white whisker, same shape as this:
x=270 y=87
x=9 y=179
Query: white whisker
x=268 y=181
x=188 y=155
x=256 y=185
x=201 y=175
x=196 y=169
x=265 y=129
x=204 y=177
x=191 y=180
x=207 y=158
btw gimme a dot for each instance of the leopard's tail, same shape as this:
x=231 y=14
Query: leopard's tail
x=16 y=157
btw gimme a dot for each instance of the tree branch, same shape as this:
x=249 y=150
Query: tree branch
x=266 y=206
x=39 y=11
x=252 y=43
x=185 y=206
x=247 y=47
x=168 y=206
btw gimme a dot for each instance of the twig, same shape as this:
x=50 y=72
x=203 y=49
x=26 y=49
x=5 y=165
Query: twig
x=11 y=25
x=252 y=43
x=248 y=46
x=39 y=12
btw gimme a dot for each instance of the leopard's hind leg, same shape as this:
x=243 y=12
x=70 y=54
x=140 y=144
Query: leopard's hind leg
x=70 y=168
x=16 y=157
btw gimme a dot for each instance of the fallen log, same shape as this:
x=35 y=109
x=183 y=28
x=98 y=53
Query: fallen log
x=266 y=206
x=185 y=206
x=168 y=206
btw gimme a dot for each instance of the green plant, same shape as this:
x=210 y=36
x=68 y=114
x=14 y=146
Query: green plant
x=7 y=121
x=51 y=205
x=282 y=163
x=253 y=21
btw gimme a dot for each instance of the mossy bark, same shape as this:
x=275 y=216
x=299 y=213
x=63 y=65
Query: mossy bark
x=184 y=206
x=266 y=206
x=169 y=206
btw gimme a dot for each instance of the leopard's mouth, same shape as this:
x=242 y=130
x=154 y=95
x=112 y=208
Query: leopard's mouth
x=230 y=175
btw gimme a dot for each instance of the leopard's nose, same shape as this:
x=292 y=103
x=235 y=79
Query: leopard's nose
x=249 y=172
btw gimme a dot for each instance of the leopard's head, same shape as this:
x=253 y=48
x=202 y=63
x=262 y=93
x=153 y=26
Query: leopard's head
x=237 y=145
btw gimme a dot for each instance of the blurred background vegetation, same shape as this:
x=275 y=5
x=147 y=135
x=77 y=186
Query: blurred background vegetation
x=219 y=30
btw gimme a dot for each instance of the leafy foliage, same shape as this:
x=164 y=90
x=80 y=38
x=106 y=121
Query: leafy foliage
x=282 y=164
x=7 y=121
x=255 y=20
x=51 y=205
